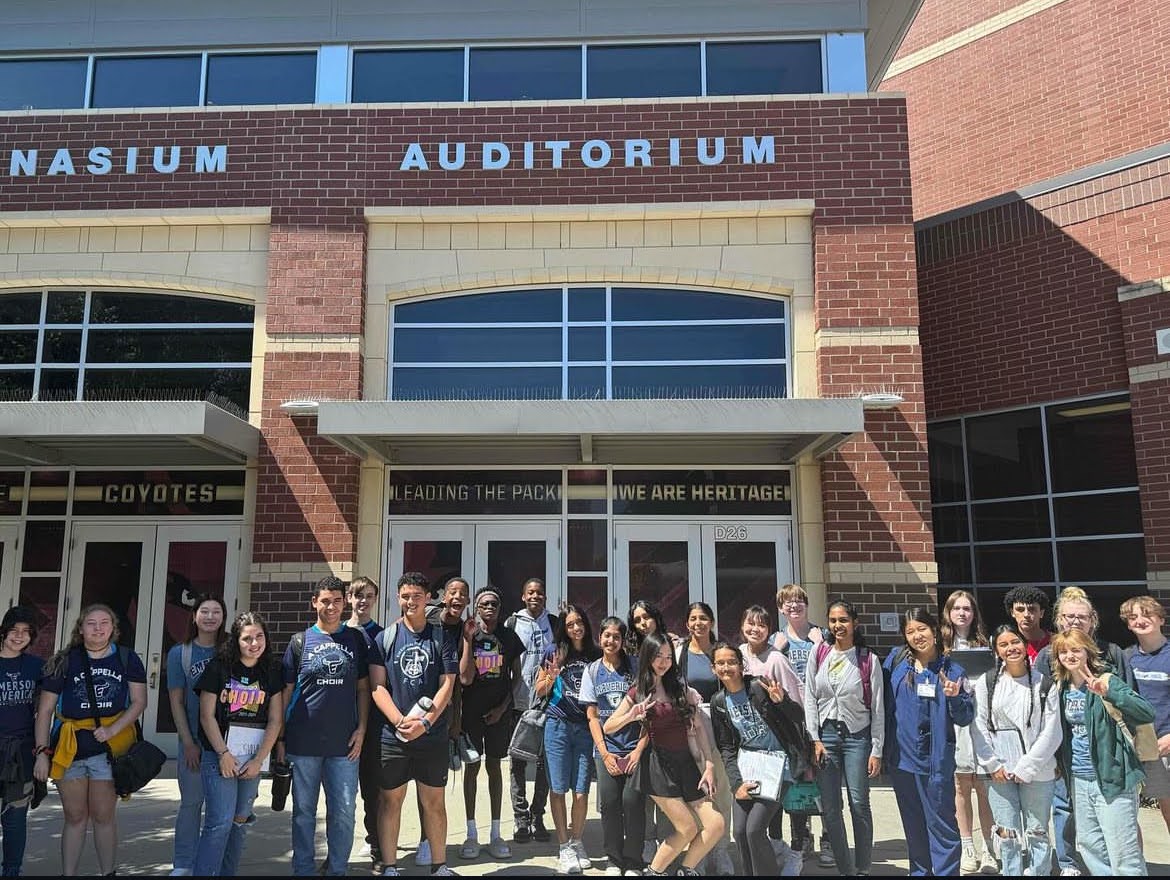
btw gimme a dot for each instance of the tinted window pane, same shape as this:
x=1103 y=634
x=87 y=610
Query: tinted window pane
x=651 y=304
x=16 y=384
x=408 y=75
x=587 y=545
x=20 y=308
x=728 y=342
x=587 y=383
x=169 y=346
x=42 y=85
x=1121 y=559
x=1006 y=454
x=1091 y=446
x=484 y=345
x=950 y=524
x=484 y=308
x=1011 y=520
x=18 y=346
x=476 y=383
x=44 y=544
x=948 y=482
x=145 y=308
x=1014 y=563
x=262 y=79
x=62 y=347
x=167 y=385
x=643 y=71
x=163 y=81
x=65 y=308
x=524 y=74
x=587 y=344
x=58 y=385
x=954 y=565
x=1098 y=514
x=787 y=67
x=1107 y=599
x=699 y=382
x=586 y=304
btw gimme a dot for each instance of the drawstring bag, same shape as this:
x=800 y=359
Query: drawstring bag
x=528 y=736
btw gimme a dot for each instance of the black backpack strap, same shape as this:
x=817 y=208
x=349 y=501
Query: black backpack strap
x=92 y=692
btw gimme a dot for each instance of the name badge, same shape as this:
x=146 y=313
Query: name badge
x=926 y=689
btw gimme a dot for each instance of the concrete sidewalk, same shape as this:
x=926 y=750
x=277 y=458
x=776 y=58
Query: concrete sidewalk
x=147 y=820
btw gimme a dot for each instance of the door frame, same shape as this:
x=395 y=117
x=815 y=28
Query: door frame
x=10 y=541
x=398 y=533
x=753 y=532
x=660 y=530
x=525 y=530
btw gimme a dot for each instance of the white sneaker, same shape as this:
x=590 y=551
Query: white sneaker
x=825 y=858
x=988 y=864
x=631 y=872
x=613 y=871
x=499 y=849
x=1070 y=872
x=567 y=862
x=582 y=856
x=444 y=871
x=422 y=856
x=969 y=864
x=649 y=848
x=470 y=849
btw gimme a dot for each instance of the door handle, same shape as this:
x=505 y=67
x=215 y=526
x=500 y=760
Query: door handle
x=155 y=659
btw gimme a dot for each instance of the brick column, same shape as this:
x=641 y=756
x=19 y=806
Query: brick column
x=1145 y=309
x=879 y=550
x=307 y=496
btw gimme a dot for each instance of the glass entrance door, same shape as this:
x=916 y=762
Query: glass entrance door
x=150 y=575
x=8 y=536
x=501 y=554
x=727 y=566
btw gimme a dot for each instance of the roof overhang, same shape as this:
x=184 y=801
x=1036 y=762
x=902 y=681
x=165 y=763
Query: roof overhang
x=123 y=434
x=567 y=432
x=889 y=20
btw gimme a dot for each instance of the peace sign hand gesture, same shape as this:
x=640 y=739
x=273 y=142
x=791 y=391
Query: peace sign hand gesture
x=773 y=688
x=1097 y=685
x=949 y=688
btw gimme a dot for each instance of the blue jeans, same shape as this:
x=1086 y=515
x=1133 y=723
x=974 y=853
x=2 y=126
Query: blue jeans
x=339 y=777
x=189 y=814
x=1063 y=827
x=1107 y=831
x=222 y=841
x=568 y=752
x=847 y=758
x=1023 y=809
x=15 y=826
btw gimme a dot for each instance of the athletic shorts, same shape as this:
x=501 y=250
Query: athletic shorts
x=425 y=761
x=490 y=740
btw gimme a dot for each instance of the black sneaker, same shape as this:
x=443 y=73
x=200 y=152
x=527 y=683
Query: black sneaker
x=522 y=833
x=539 y=832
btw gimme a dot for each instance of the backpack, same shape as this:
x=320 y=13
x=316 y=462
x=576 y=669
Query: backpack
x=864 y=664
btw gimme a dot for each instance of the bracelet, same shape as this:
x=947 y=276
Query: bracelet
x=42 y=750
x=224 y=752
x=426 y=724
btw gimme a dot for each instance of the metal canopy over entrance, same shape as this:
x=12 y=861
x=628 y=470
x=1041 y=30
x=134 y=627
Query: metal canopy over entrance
x=498 y=432
x=123 y=433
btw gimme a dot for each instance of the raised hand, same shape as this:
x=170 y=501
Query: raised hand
x=773 y=688
x=949 y=688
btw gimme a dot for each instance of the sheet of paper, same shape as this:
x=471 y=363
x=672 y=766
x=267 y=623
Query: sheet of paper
x=243 y=742
x=766 y=768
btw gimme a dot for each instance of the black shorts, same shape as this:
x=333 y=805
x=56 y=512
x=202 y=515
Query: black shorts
x=490 y=740
x=425 y=761
x=669 y=774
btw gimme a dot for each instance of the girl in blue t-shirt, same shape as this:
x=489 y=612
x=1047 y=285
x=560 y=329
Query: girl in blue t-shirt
x=568 y=745
x=20 y=676
x=622 y=806
x=185 y=664
x=92 y=662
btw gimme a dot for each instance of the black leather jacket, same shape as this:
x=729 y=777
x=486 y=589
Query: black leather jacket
x=785 y=719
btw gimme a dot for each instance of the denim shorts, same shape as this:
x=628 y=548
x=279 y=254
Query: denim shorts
x=568 y=754
x=96 y=767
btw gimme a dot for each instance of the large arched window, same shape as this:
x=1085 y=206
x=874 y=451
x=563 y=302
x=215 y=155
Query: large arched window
x=584 y=343
x=115 y=345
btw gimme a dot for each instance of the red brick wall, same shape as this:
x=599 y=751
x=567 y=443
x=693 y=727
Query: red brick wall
x=1076 y=84
x=939 y=19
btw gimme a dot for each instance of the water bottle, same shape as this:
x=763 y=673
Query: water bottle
x=281 y=783
x=424 y=705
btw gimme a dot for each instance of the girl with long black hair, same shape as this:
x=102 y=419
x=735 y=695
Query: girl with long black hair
x=568 y=745
x=678 y=771
x=240 y=716
x=1016 y=736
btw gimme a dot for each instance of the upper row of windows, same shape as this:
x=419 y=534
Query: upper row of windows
x=468 y=73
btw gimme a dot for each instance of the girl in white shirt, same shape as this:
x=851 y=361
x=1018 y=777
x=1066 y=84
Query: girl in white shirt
x=1016 y=736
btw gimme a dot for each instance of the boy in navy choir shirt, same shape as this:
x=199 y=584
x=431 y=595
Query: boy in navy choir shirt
x=326 y=676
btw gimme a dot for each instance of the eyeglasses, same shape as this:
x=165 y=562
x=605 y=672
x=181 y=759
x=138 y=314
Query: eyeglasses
x=794 y=603
x=1073 y=618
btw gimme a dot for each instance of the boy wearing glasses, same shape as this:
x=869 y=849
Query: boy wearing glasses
x=488 y=668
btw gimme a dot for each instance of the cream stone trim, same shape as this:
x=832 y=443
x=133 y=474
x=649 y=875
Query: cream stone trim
x=134 y=281
x=843 y=337
x=810 y=536
x=301 y=342
x=136 y=216
x=1149 y=373
x=309 y=572
x=569 y=213
x=882 y=572
x=1159 y=577
x=969 y=35
x=1128 y=292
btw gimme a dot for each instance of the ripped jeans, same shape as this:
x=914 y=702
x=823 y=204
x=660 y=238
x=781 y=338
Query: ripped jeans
x=221 y=843
x=1021 y=812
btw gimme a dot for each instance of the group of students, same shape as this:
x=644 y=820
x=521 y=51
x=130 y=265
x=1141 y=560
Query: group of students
x=691 y=740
